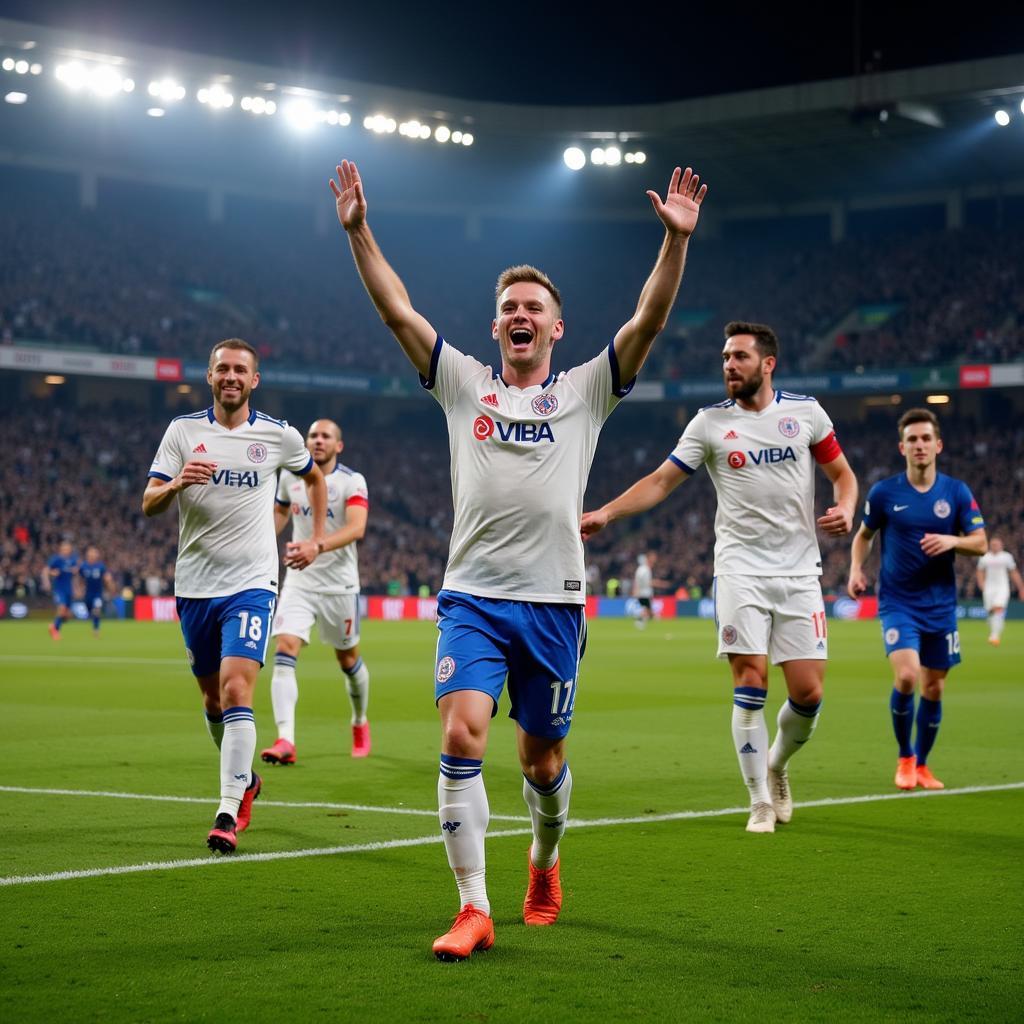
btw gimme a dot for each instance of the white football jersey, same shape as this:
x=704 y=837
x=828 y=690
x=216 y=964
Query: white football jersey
x=520 y=458
x=337 y=571
x=762 y=466
x=226 y=538
x=643 y=582
x=997 y=569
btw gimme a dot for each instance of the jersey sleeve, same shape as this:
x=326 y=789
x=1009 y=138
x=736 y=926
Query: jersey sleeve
x=294 y=455
x=969 y=517
x=357 y=493
x=824 y=444
x=874 y=509
x=168 y=462
x=691 y=450
x=449 y=370
x=597 y=383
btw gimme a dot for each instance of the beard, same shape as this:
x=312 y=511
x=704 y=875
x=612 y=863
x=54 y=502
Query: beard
x=748 y=388
x=232 y=403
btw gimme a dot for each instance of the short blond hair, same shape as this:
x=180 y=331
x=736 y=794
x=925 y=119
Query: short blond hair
x=524 y=272
x=235 y=343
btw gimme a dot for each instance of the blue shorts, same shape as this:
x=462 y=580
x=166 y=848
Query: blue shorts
x=937 y=642
x=61 y=598
x=94 y=601
x=538 y=647
x=237 y=626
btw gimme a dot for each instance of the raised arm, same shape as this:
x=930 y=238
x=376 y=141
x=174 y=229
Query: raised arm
x=647 y=492
x=385 y=288
x=859 y=551
x=679 y=214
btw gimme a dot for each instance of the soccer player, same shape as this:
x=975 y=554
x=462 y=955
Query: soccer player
x=94 y=572
x=62 y=568
x=996 y=568
x=513 y=601
x=220 y=466
x=326 y=593
x=925 y=518
x=760 y=446
x=643 y=589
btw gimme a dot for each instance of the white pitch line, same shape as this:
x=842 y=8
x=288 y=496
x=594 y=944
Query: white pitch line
x=392 y=844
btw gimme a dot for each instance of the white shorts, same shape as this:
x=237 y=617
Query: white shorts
x=780 y=616
x=995 y=598
x=336 y=617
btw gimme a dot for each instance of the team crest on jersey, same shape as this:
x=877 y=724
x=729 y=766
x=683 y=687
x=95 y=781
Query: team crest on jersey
x=789 y=427
x=257 y=452
x=490 y=400
x=941 y=508
x=737 y=460
x=483 y=427
x=445 y=669
x=728 y=635
x=545 y=405
x=891 y=636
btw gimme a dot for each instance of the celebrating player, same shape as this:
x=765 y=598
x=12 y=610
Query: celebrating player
x=62 y=568
x=522 y=442
x=996 y=568
x=925 y=519
x=760 y=446
x=95 y=574
x=221 y=466
x=326 y=593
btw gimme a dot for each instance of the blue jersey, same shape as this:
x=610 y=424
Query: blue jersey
x=66 y=566
x=903 y=514
x=93 y=573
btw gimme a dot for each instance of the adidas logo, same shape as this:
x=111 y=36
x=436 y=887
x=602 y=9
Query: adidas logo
x=451 y=826
x=490 y=400
x=747 y=749
x=200 y=449
x=821 y=645
x=731 y=436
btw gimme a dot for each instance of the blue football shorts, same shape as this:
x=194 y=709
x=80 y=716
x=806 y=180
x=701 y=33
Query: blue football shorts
x=61 y=598
x=937 y=642
x=537 y=647
x=237 y=626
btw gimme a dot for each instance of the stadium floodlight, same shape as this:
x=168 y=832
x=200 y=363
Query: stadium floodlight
x=167 y=90
x=8 y=64
x=629 y=157
x=938 y=399
x=73 y=74
x=457 y=137
x=442 y=133
x=467 y=138
x=54 y=378
x=1022 y=106
x=597 y=155
x=16 y=98
x=640 y=156
x=1002 y=118
x=156 y=111
x=575 y=159
x=424 y=131
x=35 y=69
x=21 y=67
x=300 y=114
x=106 y=81
x=613 y=156
x=215 y=96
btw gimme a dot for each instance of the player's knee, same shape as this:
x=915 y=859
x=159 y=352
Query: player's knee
x=347 y=659
x=235 y=691
x=543 y=769
x=290 y=645
x=931 y=689
x=462 y=738
x=749 y=675
x=906 y=679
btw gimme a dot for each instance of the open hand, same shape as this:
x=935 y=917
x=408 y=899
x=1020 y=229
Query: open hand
x=681 y=208
x=348 y=195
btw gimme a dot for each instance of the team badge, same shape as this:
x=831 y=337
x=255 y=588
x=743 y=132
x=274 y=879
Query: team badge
x=545 y=405
x=257 y=452
x=891 y=636
x=483 y=427
x=728 y=635
x=941 y=508
x=737 y=460
x=789 y=427
x=445 y=669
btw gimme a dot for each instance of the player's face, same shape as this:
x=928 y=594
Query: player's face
x=920 y=445
x=232 y=377
x=527 y=325
x=92 y=555
x=323 y=442
x=65 y=548
x=743 y=367
x=995 y=545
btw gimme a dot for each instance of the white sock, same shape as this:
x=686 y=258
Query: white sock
x=236 y=754
x=463 y=813
x=796 y=723
x=750 y=734
x=215 y=727
x=284 y=695
x=357 y=679
x=549 y=809
x=996 y=621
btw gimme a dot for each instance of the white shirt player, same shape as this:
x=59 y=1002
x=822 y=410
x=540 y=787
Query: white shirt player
x=226 y=537
x=337 y=571
x=762 y=466
x=643 y=581
x=520 y=459
x=997 y=567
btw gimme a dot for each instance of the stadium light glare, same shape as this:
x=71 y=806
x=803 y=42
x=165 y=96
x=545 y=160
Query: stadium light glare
x=1002 y=118
x=72 y=74
x=156 y=111
x=166 y=90
x=16 y=98
x=457 y=137
x=629 y=158
x=442 y=133
x=1022 y=106
x=301 y=115
x=424 y=131
x=344 y=119
x=613 y=156
x=184 y=389
x=467 y=138
x=597 y=155
x=54 y=378
x=574 y=158
x=21 y=67
x=937 y=399
x=35 y=69
x=215 y=96
x=8 y=64
x=640 y=156
x=105 y=81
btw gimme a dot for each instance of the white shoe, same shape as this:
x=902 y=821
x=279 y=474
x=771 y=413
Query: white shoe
x=762 y=818
x=782 y=798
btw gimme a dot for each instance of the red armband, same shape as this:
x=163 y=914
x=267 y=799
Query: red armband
x=357 y=499
x=827 y=449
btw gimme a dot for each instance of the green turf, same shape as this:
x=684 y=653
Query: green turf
x=905 y=909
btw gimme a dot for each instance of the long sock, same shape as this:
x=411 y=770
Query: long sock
x=284 y=695
x=215 y=727
x=236 y=753
x=929 y=714
x=750 y=734
x=796 y=722
x=902 y=707
x=96 y=623
x=996 y=622
x=357 y=680
x=463 y=813
x=549 y=809
x=58 y=622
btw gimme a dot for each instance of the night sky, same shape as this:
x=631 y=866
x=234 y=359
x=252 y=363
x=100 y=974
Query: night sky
x=555 y=53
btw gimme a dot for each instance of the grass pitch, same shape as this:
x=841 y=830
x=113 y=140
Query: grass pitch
x=907 y=908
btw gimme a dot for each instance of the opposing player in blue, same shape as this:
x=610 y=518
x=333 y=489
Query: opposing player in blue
x=513 y=601
x=62 y=568
x=94 y=571
x=925 y=519
x=220 y=466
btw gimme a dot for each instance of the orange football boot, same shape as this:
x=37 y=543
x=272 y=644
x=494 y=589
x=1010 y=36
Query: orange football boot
x=543 y=894
x=906 y=772
x=282 y=752
x=471 y=930
x=361 y=740
x=926 y=780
